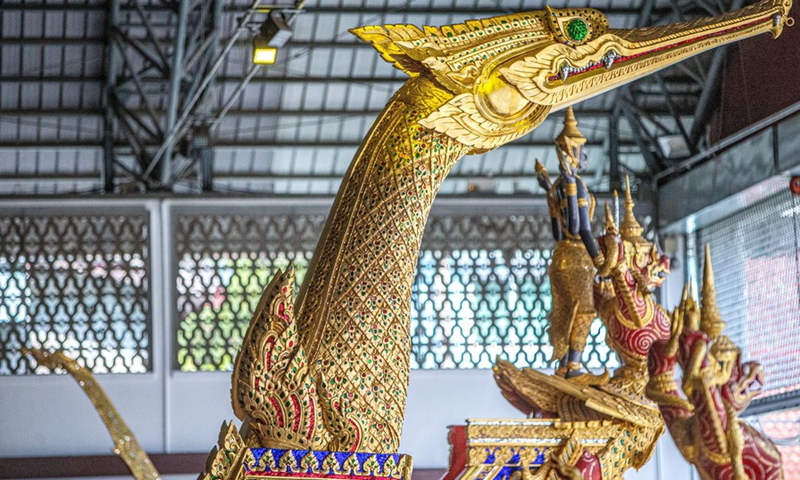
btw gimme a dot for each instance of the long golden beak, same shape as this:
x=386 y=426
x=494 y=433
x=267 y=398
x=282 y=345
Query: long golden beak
x=560 y=75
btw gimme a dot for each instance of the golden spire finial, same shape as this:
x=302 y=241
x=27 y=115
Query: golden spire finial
x=691 y=312
x=630 y=229
x=711 y=319
x=571 y=127
x=681 y=308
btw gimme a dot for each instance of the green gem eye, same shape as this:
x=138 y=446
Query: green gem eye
x=577 y=29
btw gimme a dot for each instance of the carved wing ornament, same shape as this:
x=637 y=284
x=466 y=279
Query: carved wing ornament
x=274 y=389
x=271 y=382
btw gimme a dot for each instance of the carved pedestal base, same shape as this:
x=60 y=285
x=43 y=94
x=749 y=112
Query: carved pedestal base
x=234 y=459
x=512 y=449
x=272 y=463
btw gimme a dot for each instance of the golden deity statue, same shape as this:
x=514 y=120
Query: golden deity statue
x=571 y=271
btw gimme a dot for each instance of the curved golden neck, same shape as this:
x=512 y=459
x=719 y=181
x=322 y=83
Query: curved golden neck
x=353 y=310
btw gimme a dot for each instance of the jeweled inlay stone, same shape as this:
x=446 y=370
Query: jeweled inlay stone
x=577 y=29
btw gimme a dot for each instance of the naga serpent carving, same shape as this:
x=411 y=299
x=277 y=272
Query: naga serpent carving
x=718 y=386
x=632 y=269
x=330 y=370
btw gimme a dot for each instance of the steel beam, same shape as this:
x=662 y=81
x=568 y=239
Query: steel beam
x=645 y=147
x=181 y=126
x=614 y=170
x=695 y=76
x=175 y=76
x=109 y=119
x=144 y=117
x=709 y=153
x=674 y=112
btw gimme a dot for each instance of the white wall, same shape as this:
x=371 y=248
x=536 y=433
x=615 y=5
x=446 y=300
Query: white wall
x=50 y=415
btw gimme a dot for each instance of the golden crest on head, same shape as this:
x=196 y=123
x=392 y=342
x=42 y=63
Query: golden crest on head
x=611 y=223
x=630 y=229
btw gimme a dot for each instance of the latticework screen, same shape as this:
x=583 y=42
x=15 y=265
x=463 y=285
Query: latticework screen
x=224 y=262
x=482 y=291
x=79 y=283
x=757 y=270
x=481 y=288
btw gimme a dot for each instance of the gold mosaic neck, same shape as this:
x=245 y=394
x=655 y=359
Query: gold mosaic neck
x=353 y=311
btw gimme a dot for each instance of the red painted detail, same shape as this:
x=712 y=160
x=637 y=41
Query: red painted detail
x=457 y=437
x=312 y=416
x=278 y=412
x=760 y=462
x=357 y=441
x=267 y=356
x=639 y=340
x=589 y=466
x=297 y=413
x=282 y=312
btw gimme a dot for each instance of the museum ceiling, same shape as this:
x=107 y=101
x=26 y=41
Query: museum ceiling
x=86 y=87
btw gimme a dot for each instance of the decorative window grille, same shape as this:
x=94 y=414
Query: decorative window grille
x=224 y=262
x=757 y=272
x=482 y=291
x=75 y=282
x=481 y=288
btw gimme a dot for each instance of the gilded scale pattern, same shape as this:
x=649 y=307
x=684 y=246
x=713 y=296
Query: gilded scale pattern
x=361 y=280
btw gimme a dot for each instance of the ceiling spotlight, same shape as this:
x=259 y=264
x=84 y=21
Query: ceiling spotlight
x=272 y=35
x=263 y=55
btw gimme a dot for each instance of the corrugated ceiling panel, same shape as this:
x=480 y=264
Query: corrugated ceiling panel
x=336 y=55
